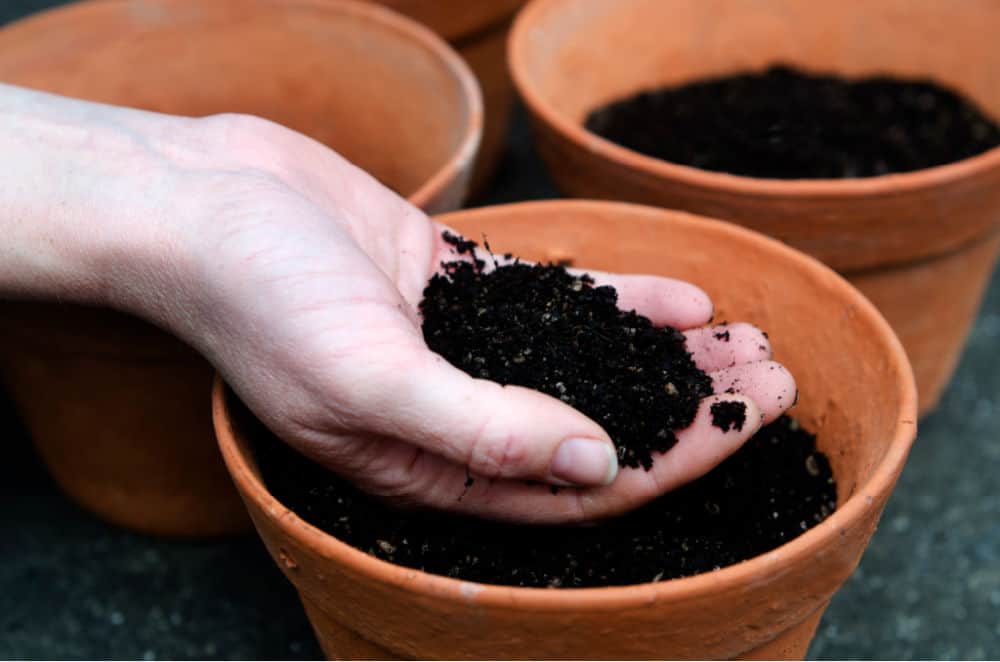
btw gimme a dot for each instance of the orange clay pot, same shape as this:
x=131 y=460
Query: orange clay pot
x=857 y=394
x=920 y=245
x=119 y=410
x=478 y=31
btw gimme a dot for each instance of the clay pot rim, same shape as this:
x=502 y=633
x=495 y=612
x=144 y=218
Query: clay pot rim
x=468 y=146
x=823 y=536
x=488 y=18
x=465 y=153
x=384 y=19
x=891 y=184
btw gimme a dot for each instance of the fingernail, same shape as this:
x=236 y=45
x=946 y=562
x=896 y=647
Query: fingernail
x=585 y=462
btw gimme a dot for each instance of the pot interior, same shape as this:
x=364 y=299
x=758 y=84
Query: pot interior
x=578 y=56
x=338 y=72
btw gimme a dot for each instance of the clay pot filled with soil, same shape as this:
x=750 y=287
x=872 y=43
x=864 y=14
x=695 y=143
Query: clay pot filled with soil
x=478 y=31
x=876 y=165
x=117 y=408
x=367 y=597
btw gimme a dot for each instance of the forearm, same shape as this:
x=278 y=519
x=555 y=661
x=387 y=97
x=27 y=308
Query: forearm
x=81 y=203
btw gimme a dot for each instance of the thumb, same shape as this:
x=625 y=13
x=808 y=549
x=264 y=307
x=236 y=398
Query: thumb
x=496 y=431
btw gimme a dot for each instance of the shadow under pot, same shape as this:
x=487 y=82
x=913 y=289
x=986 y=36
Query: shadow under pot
x=921 y=245
x=117 y=408
x=857 y=395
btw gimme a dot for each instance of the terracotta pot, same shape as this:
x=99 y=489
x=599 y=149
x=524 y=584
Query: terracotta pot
x=118 y=409
x=902 y=239
x=458 y=21
x=857 y=393
x=478 y=31
x=486 y=54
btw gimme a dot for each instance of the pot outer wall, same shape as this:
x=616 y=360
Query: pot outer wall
x=932 y=304
x=857 y=394
x=920 y=245
x=340 y=643
x=478 y=31
x=119 y=410
x=486 y=55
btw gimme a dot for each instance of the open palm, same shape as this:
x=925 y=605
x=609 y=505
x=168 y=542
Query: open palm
x=309 y=277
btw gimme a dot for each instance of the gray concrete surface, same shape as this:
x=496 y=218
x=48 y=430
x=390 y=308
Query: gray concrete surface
x=74 y=587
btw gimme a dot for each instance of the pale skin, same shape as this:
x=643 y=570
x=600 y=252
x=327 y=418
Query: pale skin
x=298 y=276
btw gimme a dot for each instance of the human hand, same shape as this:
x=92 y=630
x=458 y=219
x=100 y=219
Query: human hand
x=313 y=274
x=299 y=276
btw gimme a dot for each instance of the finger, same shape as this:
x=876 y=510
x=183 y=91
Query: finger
x=665 y=301
x=710 y=439
x=431 y=481
x=727 y=345
x=767 y=383
x=497 y=431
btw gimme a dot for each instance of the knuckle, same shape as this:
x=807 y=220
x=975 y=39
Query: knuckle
x=237 y=128
x=754 y=343
x=249 y=141
x=497 y=454
x=396 y=483
x=582 y=508
x=404 y=477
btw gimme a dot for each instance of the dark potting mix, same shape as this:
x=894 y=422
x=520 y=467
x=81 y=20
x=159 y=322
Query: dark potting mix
x=543 y=327
x=787 y=124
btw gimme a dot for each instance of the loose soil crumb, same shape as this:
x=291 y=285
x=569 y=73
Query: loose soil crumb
x=729 y=415
x=787 y=124
x=541 y=327
x=770 y=491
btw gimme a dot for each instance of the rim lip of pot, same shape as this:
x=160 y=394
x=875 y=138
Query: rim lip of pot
x=461 y=157
x=480 y=17
x=824 y=535
x=890 y=184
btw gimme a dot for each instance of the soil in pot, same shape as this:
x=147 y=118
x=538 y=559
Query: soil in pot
x=486 y=321
x=787 y=124
x=767 y=493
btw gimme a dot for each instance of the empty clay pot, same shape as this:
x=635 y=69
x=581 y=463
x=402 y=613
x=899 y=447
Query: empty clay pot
x=857 y=394
x=117 y=408
x=920 y=245
x=478 y=31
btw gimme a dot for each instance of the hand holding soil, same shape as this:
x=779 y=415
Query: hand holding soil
x=299 y=276
x=316 y=281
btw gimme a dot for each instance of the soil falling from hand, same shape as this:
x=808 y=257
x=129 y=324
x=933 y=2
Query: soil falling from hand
x=787 y=124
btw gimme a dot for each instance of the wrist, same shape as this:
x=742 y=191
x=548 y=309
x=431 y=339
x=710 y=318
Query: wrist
x=83 y=211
